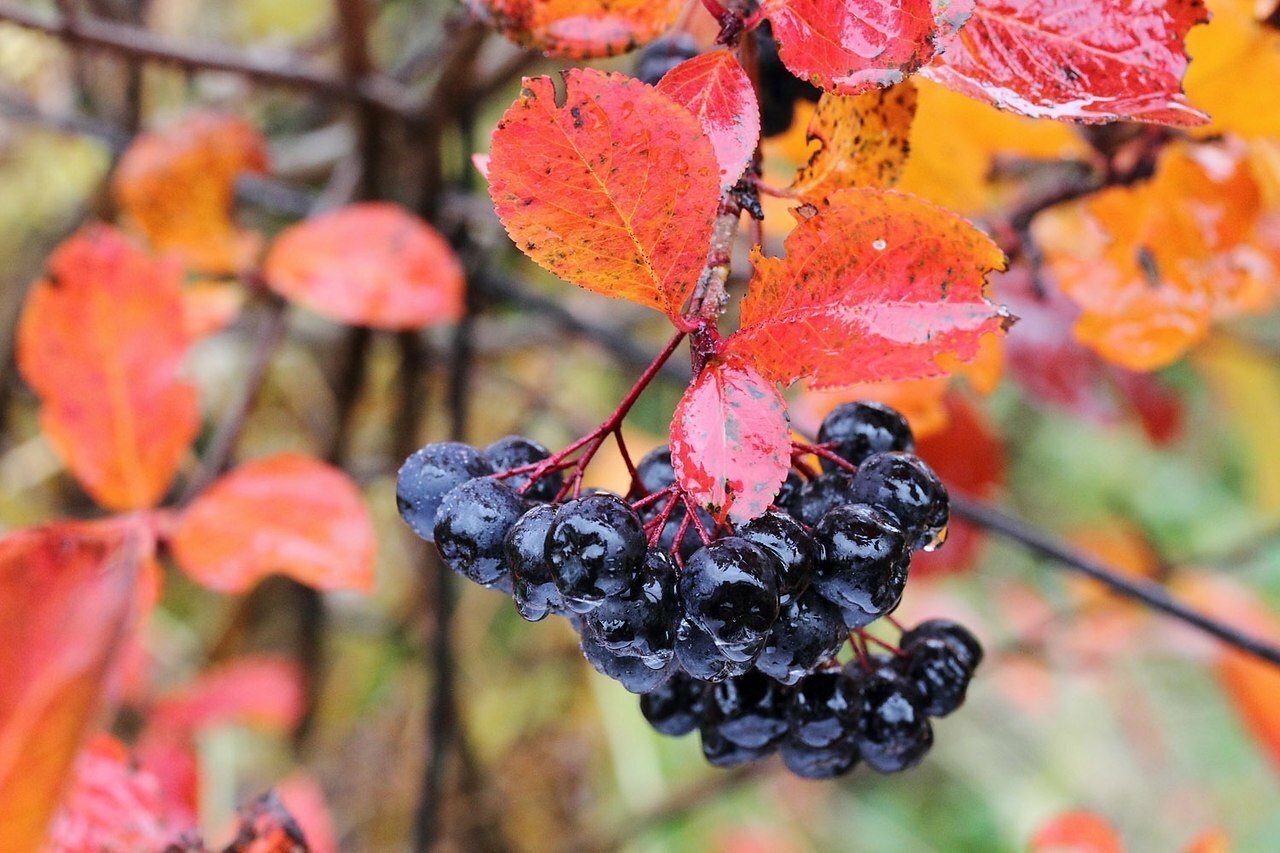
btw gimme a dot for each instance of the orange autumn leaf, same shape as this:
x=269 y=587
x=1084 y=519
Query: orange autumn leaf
x=1076 y=832
x=67 y=601
x=861 y=141
x=578 y=28
x=372 y=264
x=287 y=513
x=210 y=306
x=101 y=342
x=1236 y=63
x=1152 y=265
x=875 y=286
x=630 y=210
x=177 y=186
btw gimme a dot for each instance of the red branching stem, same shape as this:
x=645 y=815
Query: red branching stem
x=824 y=452
x=870 y=638
x=894 y=622
x=859 y=648
x=803 y=467
x=691 y=510
x=716 y=9
x=653 y=497
x=681 y=531
x=626 y=458
x=660 y=522
x=770 y=190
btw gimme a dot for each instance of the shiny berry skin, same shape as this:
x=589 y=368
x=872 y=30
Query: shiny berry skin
x=964 y=644
x=515 y=451
x=719 y=751
x=809 y=630
x=893 y=731
x=905 y=488
x=641 y=622
x=534 y=592
x=790 y=488
x=783 y=537
x=698 y=654
x=810 y=762
x=655 y=472
x=820 y=495
x=674 y=708
x=941 y=677
x=749 y=709
x=860 y=429
x=862 y=563
x=659 y=57
x=472 y=525
x=730 y=590
x=594 y=548
x=632 y=673
x=824 y=708
x=431 y=473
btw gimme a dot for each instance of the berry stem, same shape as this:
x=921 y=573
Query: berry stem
x=691 y=510
x=824 y=452
x=870 y=638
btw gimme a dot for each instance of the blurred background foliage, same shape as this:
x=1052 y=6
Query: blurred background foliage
x=1085 y=702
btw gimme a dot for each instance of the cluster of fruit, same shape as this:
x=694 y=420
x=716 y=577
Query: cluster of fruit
x=668 y=601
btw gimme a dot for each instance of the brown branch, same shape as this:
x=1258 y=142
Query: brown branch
x=1146 y=592
x=132 y=42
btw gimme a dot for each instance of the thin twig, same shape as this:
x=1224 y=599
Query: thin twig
x=293 y=72
x=1151 y=594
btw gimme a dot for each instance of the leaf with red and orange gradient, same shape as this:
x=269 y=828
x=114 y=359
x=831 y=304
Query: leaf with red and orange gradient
x=178 y=187
x=67 y=602
x=287 y=514
x=1152 y=265
x=876 y=285
x=853 y=46
x=862 y=141
x=1076 y=832
x=1076 y=60
x=372 y=264
x=716 y=89
x=209 y=307
x=730 y=444
x=579 y=29
x=111 y=805
x=101 y=342
x=1235 y=68
x=615 y=191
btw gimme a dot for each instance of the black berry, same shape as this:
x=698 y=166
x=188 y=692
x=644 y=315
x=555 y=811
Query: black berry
x=858 y=430
x=594 y=548
x=824 y=708
x=641 y=621
x=938 y=674
x=632 y=673
x=471 y=526
x=534 y=592
x=810 y=762
x=719 y=751
x=862 y=563
x=964 y=644
x=905 y=488
x=514 y=451
x=431 y=473
x=730 y=590
x=784 y=538
x=750 y=709
x=821 y=495
x=893 y=730
x=676 y=707
x=809 y=630
x=659 y=57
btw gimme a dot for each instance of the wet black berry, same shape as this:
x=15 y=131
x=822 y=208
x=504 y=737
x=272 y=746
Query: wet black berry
x=893 y=731
x=750 y=709
x=861 y=429
x=674 y=708
x=905 y=488
x=730 y=590
x=790 y=489
x=937 y=672
x=641 y=622
x=431 y=473
x=810 y=762
x=534 y=592
x=809 y=630
x=699 y=655
x=594 y=548
x=965 y=645
x=632 y=673
x=820 y=495
x=471 y=526
x=824 y=708
x=659 y=57
x=516 y=452
x=655 y=472
x=719 y=751
x=784 y=538
x=862 y=563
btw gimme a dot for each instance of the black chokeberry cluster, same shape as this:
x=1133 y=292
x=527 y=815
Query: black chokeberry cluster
x=732 y=631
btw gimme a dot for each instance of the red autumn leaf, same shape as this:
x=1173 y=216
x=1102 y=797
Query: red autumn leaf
x=111 y=805
x=178 y=187
x=371 y=264
x=1079 y=60
x=716 y=89
x=635 y=190
x=875 y=286
x=969 y=457
x=579 y=28
x=1076 y=832
x=287 y=513
x=267 y=827
x=305 y=801
x=852 y=46
x=730 y=444
x=101 y=342
x=67 y=601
